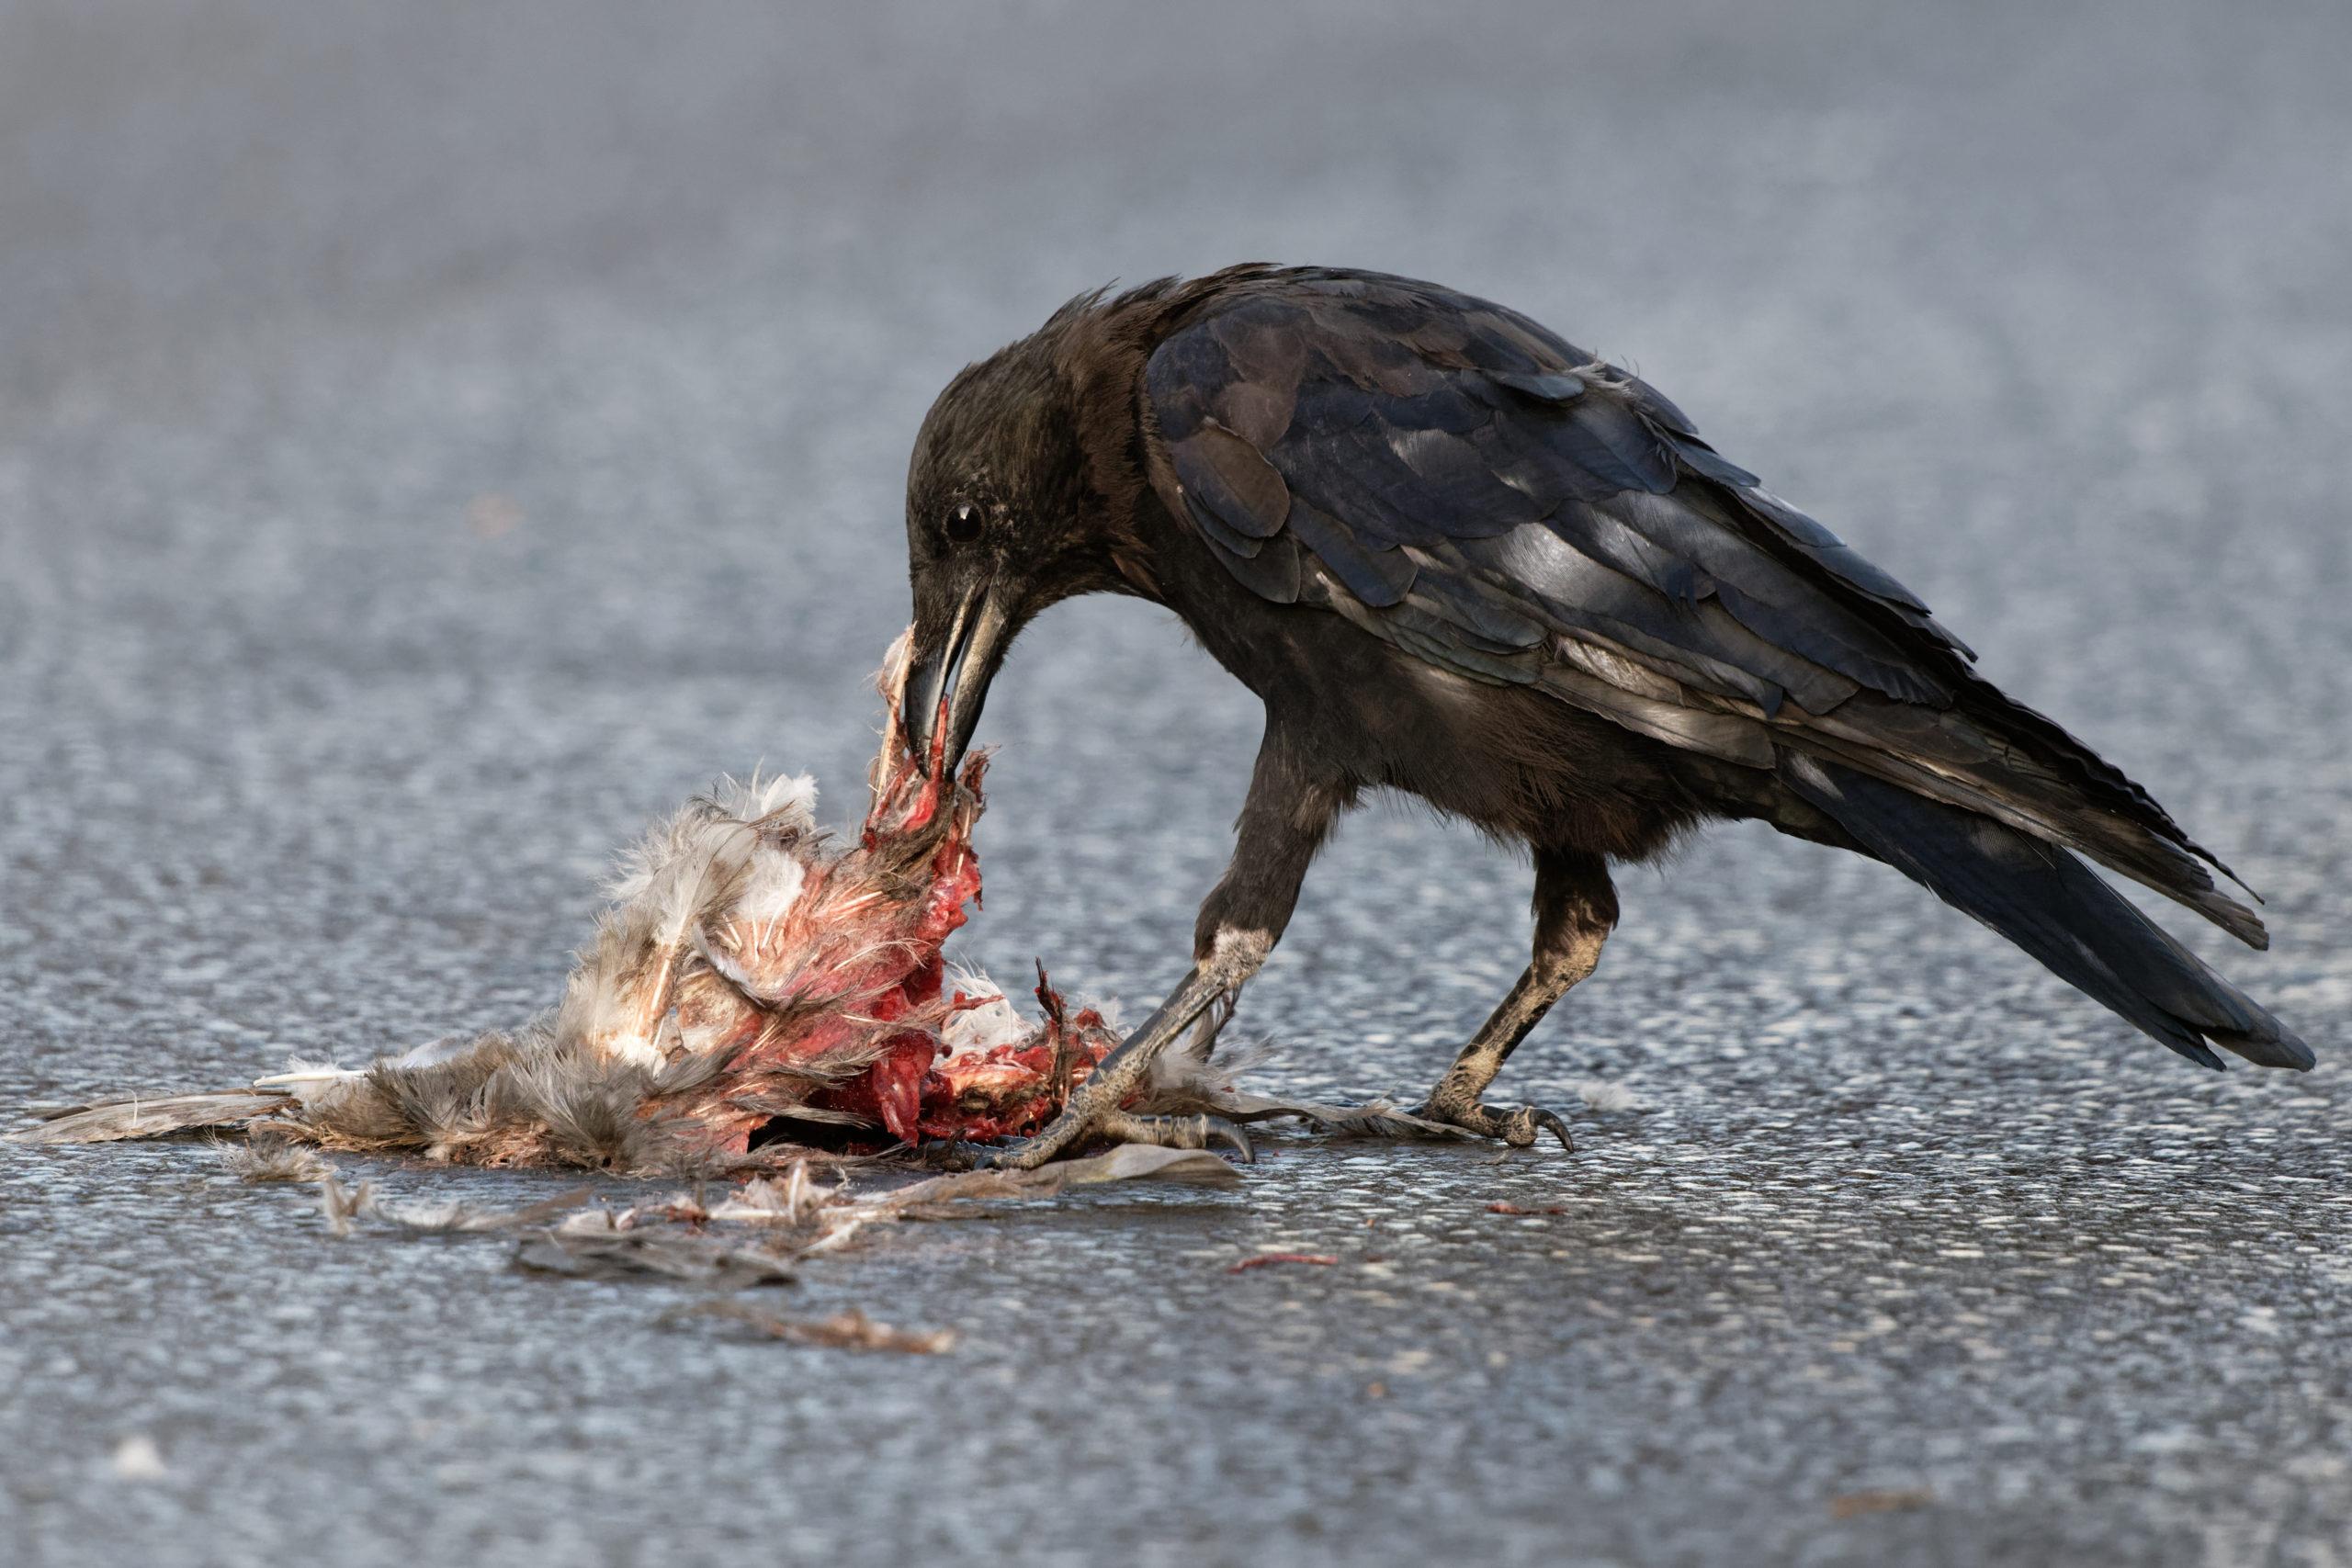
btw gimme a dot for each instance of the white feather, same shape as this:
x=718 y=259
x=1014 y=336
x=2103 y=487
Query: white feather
x=771 y=887
x=785 y=804
x=983 y=1028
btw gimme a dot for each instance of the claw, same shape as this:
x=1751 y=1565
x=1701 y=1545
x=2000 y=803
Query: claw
x=960 y=1155
x=1518 y=1128
x=1219 y=1127
x=1533 y=1117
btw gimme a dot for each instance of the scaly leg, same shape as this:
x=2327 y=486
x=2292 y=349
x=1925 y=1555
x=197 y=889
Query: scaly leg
x=1576 y=908
x=1289 y=812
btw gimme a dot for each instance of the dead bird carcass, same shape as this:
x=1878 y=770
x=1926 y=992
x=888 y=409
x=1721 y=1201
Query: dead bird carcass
x=752 y=985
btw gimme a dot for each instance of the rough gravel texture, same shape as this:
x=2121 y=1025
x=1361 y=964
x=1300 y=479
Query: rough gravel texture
x=436 y=438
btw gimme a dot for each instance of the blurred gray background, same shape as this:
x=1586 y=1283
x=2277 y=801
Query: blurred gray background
x=436 y=438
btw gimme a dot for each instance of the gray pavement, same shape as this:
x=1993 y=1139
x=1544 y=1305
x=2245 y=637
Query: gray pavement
x=436 y=438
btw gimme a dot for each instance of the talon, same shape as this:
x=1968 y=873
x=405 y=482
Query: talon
x=1549 y=1121
x=1442 y=1116
x=1520 y=1127
x=1219 y=1128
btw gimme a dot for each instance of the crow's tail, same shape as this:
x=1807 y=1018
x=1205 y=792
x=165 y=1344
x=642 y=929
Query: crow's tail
x=2055 y=907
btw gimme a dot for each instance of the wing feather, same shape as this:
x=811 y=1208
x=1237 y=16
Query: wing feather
x=1231 y=477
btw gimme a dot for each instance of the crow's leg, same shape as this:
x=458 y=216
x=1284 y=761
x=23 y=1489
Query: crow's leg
x=1289 y=812
x=1576 y=908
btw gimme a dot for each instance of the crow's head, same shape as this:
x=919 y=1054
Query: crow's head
x=1005 y=517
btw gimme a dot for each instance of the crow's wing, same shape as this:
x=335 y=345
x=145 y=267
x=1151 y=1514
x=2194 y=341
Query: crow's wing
x=1463 y=483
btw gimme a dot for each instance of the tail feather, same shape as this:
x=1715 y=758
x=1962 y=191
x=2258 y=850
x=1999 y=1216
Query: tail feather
x=2055 y=907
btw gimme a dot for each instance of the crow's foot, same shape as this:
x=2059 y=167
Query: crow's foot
x=1517 y=1128
x=1432 y=1120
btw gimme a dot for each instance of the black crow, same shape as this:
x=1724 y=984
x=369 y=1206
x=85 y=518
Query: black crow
x=1459 y=557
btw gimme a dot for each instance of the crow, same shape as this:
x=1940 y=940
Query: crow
x=1457 y=557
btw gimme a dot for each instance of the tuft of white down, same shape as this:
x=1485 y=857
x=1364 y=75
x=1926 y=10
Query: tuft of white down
x=744 y=830
x=785 y=804
x=984 y=1028
x=1605 y=1096
x=672 y=855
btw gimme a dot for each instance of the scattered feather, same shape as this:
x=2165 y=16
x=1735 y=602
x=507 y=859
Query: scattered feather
x=703 y=1260
x=274 y=1159
x=850 y=1330
x=1887 y=1500
x=137 y=1458
x=1608 y=1099
x=343 y=1204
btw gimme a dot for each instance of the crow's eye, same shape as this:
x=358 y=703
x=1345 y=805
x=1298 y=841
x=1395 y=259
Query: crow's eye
x=963 y=522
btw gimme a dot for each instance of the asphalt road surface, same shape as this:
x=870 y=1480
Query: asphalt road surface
x=435 y=438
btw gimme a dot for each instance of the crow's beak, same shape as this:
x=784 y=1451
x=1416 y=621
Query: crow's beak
x=947 y=680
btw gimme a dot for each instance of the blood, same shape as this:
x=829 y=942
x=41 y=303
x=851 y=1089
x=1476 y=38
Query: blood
x=913 y=1087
